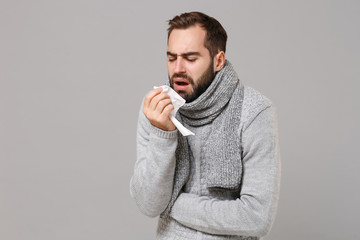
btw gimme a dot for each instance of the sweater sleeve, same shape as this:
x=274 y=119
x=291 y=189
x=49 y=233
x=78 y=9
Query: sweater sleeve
x=152 y=181
x=251 y=214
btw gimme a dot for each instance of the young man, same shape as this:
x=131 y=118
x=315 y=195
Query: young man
x=222 y=182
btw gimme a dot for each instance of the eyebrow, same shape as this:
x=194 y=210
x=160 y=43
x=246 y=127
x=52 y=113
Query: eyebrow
x=183 y=54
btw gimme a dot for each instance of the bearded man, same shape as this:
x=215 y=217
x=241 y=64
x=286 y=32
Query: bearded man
x=223 y=182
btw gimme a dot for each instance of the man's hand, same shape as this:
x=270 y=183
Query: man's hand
x=157 y=108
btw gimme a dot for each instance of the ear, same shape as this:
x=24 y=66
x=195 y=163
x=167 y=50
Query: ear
x=219 y=61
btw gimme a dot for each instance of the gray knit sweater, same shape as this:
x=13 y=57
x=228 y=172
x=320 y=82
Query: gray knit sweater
x=200 y=212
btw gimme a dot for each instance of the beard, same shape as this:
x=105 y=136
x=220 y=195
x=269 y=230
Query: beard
x=200 y=87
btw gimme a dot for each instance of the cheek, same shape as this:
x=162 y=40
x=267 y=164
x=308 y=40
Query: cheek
x=197 y=70
x=194 y=69
x=169 y=67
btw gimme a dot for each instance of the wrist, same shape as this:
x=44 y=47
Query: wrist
x=168 y=134
x=168 y=127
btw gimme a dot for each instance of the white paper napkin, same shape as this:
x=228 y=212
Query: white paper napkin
x=177 y=101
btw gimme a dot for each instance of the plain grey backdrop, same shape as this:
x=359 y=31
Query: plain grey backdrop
x=73 y=74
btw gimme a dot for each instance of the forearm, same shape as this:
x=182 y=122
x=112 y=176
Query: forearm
x=152 y=182
x=221 y=217
x=253 y=212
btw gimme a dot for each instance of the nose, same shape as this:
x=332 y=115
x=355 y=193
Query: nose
x=180 y=65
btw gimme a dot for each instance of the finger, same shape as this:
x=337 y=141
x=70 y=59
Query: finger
x=151 y=95
x=162 y=104
x=167 y=110
x=156 y=99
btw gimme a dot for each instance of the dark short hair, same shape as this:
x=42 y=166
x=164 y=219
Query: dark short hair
x=216 y=36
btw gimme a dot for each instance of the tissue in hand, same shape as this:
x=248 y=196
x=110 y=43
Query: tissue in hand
x=177 y=101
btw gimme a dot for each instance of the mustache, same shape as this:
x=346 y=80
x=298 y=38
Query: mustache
x=181 y=75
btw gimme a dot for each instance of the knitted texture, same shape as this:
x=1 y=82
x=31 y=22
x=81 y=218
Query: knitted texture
x=220 y=105
x=167 y=228
x=201 y=208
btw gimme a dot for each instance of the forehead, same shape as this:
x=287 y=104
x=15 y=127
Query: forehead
x=187 y=40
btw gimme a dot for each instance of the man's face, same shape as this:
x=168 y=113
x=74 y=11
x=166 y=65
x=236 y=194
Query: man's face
x=190 y=67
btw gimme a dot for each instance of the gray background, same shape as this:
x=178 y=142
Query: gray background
x=73 y=74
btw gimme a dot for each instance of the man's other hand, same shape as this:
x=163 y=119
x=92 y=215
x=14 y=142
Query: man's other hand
x=157 y=108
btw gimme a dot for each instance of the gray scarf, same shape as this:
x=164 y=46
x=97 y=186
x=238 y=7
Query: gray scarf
x=221 y=163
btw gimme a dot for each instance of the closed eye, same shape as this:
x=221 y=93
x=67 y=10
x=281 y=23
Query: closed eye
x=191 y=59
x=189 y=56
